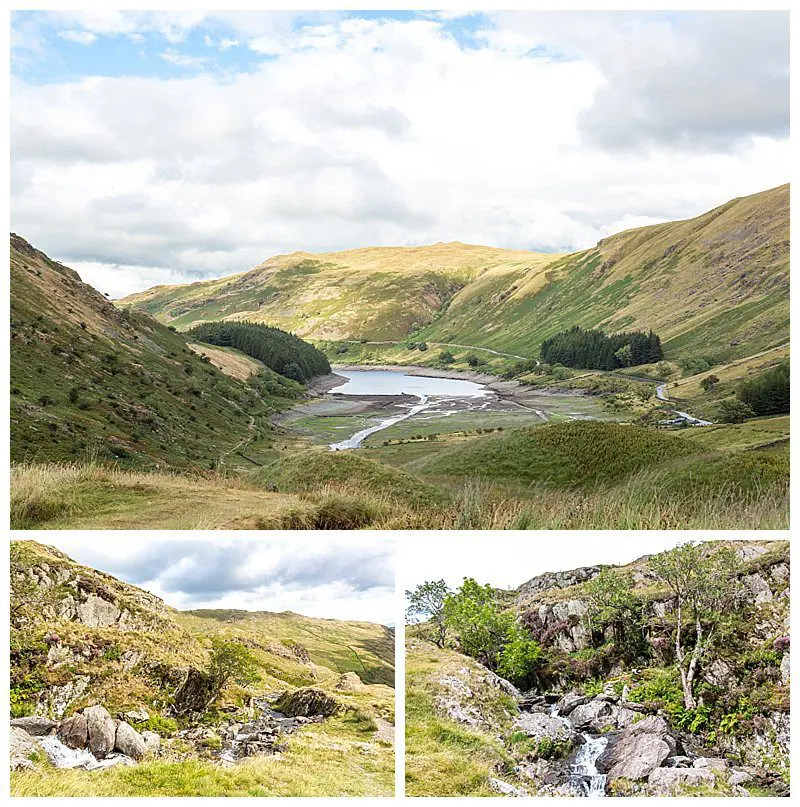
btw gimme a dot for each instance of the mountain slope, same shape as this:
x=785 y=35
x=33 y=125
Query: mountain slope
x=92 y=381
x=81 y=638
x=715 y=286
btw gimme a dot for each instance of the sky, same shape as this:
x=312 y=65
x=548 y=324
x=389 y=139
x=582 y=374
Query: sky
x=507 y=561
x=167 y=147
x=335 y=578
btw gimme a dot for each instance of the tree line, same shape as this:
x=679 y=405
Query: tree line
x=282 y=352
x=591 y=349
x=768 y=394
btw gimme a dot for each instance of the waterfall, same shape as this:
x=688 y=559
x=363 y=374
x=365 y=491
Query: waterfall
x=584 y=772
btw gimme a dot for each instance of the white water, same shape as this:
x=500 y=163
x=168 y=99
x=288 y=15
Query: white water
x=62 y=756
x=584 y=769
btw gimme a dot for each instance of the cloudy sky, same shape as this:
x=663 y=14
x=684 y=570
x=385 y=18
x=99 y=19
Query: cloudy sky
x=335 y=577
x=165 y=147
x=507 y=561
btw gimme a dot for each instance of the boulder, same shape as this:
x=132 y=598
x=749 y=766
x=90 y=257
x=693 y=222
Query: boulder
x=128 y=741
x=307 y=702
x=152 y=743
x=570 y=701
x=739 y=778
x=74 y=732
x=136 y=716
x=637 y=751
x=671 y=781
x=717 y=764
x=195 y=692
x=349 y=682
x=539 y=726
x=506 y=789
x=102 y=731
x=595 y=715
x=96 y=612
x=35 y=726
x=678 y=762
x=20 y=746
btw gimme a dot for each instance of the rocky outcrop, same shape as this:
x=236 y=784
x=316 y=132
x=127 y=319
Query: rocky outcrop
x=194 y=693
x=551 y=580
x=21 y=745
x=349 y=682
x=539 y=726
x=101 y=730
x=307 y=702
x=637 y=751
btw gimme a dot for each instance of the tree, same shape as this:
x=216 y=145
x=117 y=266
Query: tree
x=423 y=346
x=732 y=410
x=769 y=393
x=624 y=356
x=709 y=382
x=612 y=604
x=446 y=357
x=520 y=658
x=426 y=602
x=473 y=360
x=704 y=586
x=231 y=661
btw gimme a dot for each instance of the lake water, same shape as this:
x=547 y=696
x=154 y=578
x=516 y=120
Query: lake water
x=388 y=382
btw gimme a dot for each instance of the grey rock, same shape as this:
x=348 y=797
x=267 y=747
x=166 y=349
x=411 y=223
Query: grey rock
x=35 y=726
x=739 y=778
x=678 y=762
x=637 y=750
x=137 y=715
x=785 y=668
x=595 y=716
x=152 y=743
x=539 y=726
x=57 y=700
x=711 y=763
x=128 y=741
x=102 y=731
x=307 y=702
x=499 y=786
x=758 y=588
x=570 y=701
x=21 y=744
x=500 y=683
x=96 y=612
x=670 y=781
x=74 y=732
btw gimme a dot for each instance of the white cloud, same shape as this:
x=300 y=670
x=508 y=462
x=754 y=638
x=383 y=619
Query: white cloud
x=365 y=132
x=182 y=60
x=80 y=37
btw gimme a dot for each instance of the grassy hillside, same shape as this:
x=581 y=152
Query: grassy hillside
x=716 y=286
x=61 y=662
x=90 y=381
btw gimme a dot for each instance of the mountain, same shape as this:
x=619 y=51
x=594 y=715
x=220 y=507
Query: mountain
x=90 y=381
x=82 y=640
x=715 y=286
x=605 y=711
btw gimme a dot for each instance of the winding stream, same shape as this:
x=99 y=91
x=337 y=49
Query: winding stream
x=584 y=778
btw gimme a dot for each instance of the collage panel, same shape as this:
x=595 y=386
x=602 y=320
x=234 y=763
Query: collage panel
x=247 y=667
x=587 y=668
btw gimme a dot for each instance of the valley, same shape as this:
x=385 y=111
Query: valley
x=418 y=368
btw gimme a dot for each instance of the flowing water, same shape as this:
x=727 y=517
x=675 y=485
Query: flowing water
x=430 y=391
x=584 y=778
x=62 y=756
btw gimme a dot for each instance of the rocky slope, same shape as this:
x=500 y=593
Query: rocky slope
x=105 y=674
x=715 y=286
x=604 y=721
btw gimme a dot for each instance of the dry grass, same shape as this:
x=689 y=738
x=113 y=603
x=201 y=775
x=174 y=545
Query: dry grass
x=230 y=361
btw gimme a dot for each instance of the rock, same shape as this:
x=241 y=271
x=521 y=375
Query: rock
x=152 y=743
x=540 y=726
x=785 y=668
x=35 y=726
x=307 y=702
x=758 y=588
x=625 y=717
x=499 y=786
x=678 y=762
x=96 y=612
x=711 y=763
x=57 y=700
x=637 y=750
x=20 y=746
x=349 y=682
x=137 y=715
x=595 y=715
x=497 y=682
x=570 y=701
x=739 y=778
x=102 y=731
x=718 y=673
x=128 y=741
x=670 y=781
x=74 y=732
x=195 y=692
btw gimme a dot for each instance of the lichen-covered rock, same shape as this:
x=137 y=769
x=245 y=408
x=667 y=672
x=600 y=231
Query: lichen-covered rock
x=594 y=716
x=20 y=746
x=307 y=702
x=717 y=764
x=102 y=731
x=74 y=732
x=671 y=781
x=195 y=692
x=35 y=725
x=96 y=612
x=570 y=701
x=505 y=788
x=128 y=741
x=56 y=701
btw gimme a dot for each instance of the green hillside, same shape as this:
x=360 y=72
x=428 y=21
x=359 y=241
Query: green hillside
x=92 y=382
x=716 y=286
x=80 y=637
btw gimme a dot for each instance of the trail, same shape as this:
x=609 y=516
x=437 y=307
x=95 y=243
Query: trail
x=442 y=344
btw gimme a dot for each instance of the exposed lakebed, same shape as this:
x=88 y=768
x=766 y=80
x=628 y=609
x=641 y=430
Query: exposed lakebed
x=359 y=402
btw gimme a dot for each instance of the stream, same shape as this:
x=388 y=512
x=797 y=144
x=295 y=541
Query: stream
x=62 y=756
x=584 y=778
